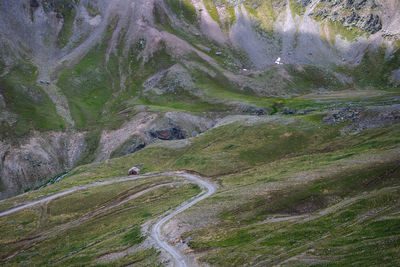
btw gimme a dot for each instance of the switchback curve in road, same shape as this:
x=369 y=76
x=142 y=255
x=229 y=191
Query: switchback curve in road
x=156 y=232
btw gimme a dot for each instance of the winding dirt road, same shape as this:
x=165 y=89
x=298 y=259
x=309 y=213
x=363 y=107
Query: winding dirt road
x=156 y=231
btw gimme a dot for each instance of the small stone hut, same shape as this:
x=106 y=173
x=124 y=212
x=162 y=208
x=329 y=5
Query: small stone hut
x=134 y=171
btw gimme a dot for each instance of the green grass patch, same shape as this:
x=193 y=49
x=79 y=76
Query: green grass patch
x=319 y=194
x=344 y=236
x=350 y=34
x=68 y=11
x=133 y=236
x=184 y=10
x=34 y=109
x=375 y=70
x=212 y=10
x=296 y=8
x=88 y=86
x=107 y=232
x=263 y=169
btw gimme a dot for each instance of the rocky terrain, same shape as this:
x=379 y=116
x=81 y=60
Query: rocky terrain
x=229 y=89
x=77 y=62
x=81 y=62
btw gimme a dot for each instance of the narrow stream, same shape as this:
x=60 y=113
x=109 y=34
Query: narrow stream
x=55 y=180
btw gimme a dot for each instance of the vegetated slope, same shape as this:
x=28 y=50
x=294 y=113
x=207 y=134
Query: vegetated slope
x=84 y=81
x=306 y=154
x=293 y=189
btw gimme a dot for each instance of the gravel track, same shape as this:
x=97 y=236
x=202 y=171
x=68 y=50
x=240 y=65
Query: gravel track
x=156 y=231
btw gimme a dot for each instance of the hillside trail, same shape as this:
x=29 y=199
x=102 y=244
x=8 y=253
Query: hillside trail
x=207 y=187
x=329 y=210
x=156 y=231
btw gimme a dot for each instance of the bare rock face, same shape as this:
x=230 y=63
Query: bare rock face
x=146 y=128
x=131 y=145
x=174 y=133
x=364 y=13
x=37 y=159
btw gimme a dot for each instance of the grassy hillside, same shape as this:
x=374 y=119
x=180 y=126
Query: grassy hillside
x=291 y=190
x=107 y=219
x=312 y=179
x=31 y=105
x=88 y=86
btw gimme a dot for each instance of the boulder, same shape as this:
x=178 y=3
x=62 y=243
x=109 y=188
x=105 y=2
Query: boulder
x=288 y=111
x=251 y=109
x=34 y=3
x=174 y=133
x=349 y=113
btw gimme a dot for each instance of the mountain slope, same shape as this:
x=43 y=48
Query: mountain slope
x=101 y=64
x=286 y=111
x=291 y=190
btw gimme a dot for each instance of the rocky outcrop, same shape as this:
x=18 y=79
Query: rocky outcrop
x=174 y=133
x=245 y=108
x=146 y=128
x=132 y=145
x=363 y=13
x=362 y=118
x=170 y=80
x=375 y=117
x=371 y=23
x=349 y=113
x=112 y=140
x=37 y=159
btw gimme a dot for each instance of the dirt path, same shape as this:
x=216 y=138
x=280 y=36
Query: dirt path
x=328 y=210
x=281 y=259
x=156 y=232
x=78 y=188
